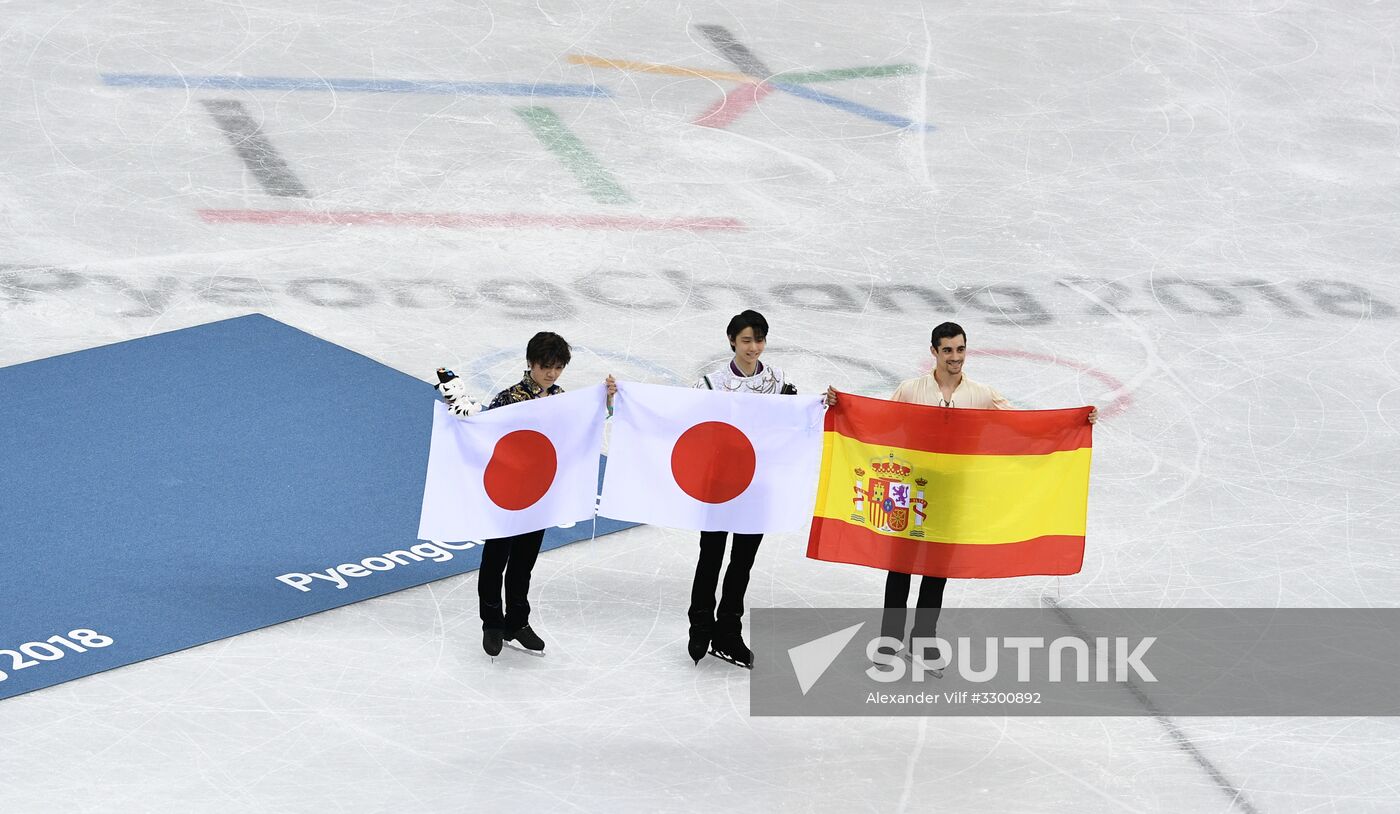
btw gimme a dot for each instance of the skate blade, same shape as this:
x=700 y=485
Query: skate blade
x=909 y=657
x=539 y=654
x=730 y=659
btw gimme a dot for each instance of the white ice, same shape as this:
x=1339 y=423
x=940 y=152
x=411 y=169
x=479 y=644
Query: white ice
x=1185 y=211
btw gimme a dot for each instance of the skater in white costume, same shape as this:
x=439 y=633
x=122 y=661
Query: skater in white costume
x=719 y=631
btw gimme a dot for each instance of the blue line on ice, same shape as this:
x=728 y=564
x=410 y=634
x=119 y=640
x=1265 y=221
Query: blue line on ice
x=351 y=85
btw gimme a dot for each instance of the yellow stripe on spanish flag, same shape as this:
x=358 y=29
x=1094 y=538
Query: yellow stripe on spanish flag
x=953 y=493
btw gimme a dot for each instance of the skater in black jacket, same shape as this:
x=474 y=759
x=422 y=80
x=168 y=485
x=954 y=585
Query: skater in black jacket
x=508 y=561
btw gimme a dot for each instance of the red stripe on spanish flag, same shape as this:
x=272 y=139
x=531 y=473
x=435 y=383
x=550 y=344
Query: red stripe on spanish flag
x=952 y=492
x=844 y=542
x=959 y=431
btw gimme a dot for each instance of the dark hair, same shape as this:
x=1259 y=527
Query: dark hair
x=746 y=319
x=547 y=350
x=947 y=330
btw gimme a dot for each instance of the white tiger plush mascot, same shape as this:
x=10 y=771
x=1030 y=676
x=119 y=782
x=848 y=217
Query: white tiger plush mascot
x=454 y=392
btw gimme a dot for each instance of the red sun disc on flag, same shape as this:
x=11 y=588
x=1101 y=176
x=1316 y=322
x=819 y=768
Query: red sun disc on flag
x=521 y=470
x=713 y=462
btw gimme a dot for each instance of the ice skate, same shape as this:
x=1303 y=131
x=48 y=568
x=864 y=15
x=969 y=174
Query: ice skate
x=699 y=643
x=731 y=648
x=887 y=652
x=909 y=656
x=491 y=639
x=526 y=641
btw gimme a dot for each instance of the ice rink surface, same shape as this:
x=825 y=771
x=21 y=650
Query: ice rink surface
x=1184 y=212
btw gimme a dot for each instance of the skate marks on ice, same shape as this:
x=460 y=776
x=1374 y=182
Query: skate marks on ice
x=1234 y=793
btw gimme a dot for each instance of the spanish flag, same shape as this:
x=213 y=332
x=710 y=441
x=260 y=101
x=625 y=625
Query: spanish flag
x=951 y=492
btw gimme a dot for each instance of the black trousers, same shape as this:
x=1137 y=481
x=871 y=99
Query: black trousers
x=512 y=558
x=703 y=614
x=930 y=604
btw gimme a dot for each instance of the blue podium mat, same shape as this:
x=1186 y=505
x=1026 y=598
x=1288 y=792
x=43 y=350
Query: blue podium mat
x=152 y=492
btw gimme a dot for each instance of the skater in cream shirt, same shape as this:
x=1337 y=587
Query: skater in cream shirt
x=944 y=386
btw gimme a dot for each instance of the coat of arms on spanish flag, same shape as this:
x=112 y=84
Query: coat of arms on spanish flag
x=951 y=492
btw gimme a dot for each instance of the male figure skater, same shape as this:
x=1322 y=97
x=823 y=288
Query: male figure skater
x=944 y=386
x=508 y=561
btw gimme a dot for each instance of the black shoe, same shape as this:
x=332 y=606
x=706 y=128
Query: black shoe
x=699 y=642
x=732 y=649
x=528 y=639
x=491 y=641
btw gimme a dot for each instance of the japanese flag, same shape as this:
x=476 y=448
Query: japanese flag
x=711 y=461
x=517 y=468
